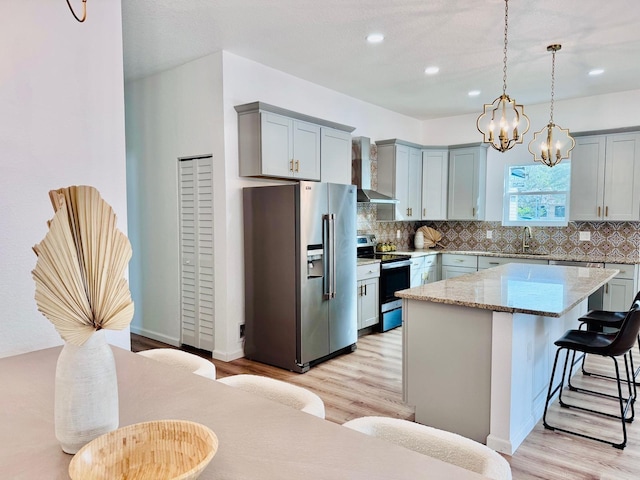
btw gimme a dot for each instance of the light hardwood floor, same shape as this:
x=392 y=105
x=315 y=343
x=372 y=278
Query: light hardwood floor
x=368 y=382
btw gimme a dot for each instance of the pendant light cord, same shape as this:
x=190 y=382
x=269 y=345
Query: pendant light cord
x=504 y=68
x=553 y=81
x=84 y=11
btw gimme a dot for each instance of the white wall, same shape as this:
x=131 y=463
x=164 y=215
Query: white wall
x=170 y=115
x=600 y=112
x=61 y=123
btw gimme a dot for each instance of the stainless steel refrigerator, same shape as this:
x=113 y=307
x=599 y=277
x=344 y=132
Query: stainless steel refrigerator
x=300 y=273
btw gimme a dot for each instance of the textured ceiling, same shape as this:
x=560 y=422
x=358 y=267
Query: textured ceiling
x=323 y=41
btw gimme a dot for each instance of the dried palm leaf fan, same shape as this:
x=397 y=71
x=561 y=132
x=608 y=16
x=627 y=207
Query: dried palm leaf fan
x=432 y=237
x=79 y=275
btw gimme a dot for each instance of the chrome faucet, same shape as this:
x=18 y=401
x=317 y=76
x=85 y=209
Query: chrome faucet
x=526 y=235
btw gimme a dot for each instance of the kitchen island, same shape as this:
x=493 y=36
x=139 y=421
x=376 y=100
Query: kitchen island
x=478 y=349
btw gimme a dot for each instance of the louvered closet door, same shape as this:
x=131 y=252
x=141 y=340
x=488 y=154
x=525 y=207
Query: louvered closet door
x=196 y=244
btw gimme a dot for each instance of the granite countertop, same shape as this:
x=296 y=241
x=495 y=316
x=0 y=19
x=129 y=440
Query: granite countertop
x=547 y=290
x=540 y=256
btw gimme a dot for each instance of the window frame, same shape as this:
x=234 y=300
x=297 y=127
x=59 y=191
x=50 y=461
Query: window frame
x=506 y=200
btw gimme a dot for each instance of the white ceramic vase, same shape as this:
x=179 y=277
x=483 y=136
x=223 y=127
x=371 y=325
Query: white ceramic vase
x=418 y=240
x=86 y=393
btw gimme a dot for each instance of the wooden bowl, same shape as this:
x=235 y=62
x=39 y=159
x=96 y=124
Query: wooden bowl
x=159 y=450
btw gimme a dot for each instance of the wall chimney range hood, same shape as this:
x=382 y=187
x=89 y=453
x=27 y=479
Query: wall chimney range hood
x=362 y=173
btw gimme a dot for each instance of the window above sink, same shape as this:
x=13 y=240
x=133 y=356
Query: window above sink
x=536 y=195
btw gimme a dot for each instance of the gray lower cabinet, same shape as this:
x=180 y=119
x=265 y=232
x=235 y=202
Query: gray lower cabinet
x=455 y=265
x=424 y=269
x=368 y=296
x=620 y=291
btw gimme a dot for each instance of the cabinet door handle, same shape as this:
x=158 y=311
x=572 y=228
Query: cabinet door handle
x=297 y=166
x=291 y=165
x=365 y=289
x=606 y=288
x=410 y=212
x=424 y=212
x=473 y=212
x=606 y=211
x=598 y=211
x=407 y=211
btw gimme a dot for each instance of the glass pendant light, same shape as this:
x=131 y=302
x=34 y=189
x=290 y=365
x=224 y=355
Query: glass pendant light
x=553 y=143
x=503 y=114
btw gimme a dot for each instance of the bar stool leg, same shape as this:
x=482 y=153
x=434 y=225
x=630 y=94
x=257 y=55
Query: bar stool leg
x=623 y=408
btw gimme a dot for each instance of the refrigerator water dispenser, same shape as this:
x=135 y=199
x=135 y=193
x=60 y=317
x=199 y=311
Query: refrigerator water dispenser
x=314 y=261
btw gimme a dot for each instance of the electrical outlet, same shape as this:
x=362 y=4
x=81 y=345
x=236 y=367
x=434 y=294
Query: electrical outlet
x=585 y=236
x=489 y=233
x=242 y=330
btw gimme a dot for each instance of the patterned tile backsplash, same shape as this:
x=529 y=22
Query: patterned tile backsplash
x=616 y=241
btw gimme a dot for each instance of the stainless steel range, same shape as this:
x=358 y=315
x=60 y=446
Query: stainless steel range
x=395 y=275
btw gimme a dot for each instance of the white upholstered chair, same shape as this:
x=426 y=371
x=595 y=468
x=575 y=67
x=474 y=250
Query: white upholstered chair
x=187 y=361
x=278 y=391
x=446 y=446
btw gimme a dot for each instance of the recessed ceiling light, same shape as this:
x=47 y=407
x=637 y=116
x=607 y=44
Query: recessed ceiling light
x=431 y=70
x=596 y=71
x=473 y=93
x=375 y=38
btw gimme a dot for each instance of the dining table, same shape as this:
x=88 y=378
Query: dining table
x=258 y=438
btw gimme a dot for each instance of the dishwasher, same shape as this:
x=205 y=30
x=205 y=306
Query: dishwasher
x=596 y=299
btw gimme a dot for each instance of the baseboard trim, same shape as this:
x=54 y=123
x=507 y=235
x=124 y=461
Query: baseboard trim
x=156 y=336
x=227 y=356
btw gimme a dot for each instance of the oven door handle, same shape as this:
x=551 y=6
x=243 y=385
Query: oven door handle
x=390 y=265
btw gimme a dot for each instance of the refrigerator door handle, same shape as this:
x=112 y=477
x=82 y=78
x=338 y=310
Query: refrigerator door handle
x=332 y=223
x=327 y=264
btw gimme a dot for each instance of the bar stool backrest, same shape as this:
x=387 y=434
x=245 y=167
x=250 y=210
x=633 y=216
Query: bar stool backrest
x=628 y=333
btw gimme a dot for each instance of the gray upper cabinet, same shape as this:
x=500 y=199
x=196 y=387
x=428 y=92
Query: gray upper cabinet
x=605 y=178
x=435 y=178
x=400 y=177
x=278 y=143
x=467 y=182
x=335 y=156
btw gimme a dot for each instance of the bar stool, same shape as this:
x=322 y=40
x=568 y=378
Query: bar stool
x=596 y=321
x=606 y=345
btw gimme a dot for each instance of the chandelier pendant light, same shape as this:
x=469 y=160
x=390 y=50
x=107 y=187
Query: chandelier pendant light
x=84 y=11
x=552 y=143
x=509 y=116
